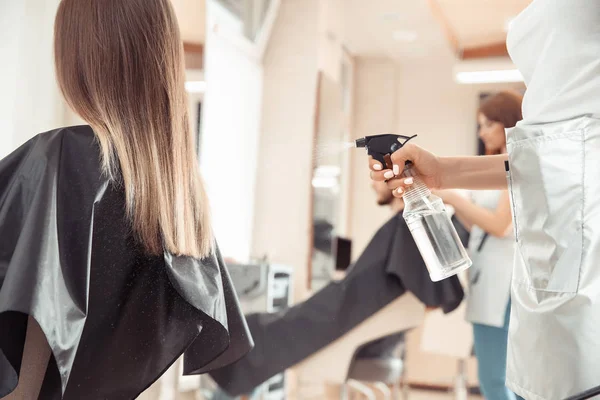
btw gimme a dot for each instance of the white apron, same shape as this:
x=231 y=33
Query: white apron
x=554 y=337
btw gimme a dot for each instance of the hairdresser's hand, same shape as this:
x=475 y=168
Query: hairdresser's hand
x=425 y=163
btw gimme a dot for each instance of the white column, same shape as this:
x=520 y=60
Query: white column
x=282 y=217
x=30 y=101
x=12 y=15
x=230 y=132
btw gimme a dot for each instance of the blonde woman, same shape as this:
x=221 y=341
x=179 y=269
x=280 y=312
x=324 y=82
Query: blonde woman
x=108 y=267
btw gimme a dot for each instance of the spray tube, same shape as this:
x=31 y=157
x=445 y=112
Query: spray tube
x=424 y=213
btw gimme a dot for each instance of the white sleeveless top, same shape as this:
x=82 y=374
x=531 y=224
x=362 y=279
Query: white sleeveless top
x=491 y=272
x=556 y=46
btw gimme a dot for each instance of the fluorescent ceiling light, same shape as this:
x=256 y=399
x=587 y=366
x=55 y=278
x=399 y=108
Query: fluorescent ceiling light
x=195 y=86
x=494 y=76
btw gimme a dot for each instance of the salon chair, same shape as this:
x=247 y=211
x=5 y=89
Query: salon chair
x=333 y=364
x=457 y=343
x=380 y=371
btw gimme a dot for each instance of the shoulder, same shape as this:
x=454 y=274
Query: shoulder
x=72 y=136
x=52 y=153
x=53 y=163
x=395 y=222
x=390 y=230
x=69 y=143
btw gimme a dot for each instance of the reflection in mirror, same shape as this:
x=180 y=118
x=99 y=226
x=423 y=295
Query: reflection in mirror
x=329 y=178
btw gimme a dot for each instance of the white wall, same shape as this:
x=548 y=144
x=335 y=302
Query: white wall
x=231 y=122
x=375 y=98
x=12 y=13
x=283 y=196
x=440 y=111
x=30 y=101
x=330 y=25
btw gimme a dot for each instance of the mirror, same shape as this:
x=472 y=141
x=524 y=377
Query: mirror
x=330 y=176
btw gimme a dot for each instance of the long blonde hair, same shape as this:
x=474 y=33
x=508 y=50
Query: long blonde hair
x=120 y=66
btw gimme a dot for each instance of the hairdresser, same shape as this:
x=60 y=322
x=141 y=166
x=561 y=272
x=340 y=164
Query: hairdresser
x=554 y=185
x=491 y=246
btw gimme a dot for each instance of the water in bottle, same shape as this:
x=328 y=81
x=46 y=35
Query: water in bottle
x=433 y=231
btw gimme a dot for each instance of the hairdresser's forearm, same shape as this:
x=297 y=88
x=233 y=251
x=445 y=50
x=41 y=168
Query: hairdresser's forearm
x=463 y=220
x=475 y=173
x=493 y=222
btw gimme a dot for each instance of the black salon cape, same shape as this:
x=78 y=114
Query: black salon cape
x=390 y=266
x=114 y=317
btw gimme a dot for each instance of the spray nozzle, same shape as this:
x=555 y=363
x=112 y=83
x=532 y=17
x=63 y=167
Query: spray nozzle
x=380 y=147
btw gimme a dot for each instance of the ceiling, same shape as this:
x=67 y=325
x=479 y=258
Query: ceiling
x=403 y=29
x=473 y=23
x=369 y=28
x=398 y=29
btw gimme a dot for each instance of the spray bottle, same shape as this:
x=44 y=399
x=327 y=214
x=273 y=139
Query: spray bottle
x=425 y=214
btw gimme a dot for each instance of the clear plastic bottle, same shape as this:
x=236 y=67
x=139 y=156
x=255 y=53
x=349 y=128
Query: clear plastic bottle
x=433 y=231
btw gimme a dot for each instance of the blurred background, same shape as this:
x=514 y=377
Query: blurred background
x=276 y=88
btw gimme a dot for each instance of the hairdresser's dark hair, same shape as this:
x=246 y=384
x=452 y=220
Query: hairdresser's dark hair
x=503 y=107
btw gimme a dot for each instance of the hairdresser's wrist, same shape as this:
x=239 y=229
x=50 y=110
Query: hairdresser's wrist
x=461 y=172
x=447 y=171
x=476 y=173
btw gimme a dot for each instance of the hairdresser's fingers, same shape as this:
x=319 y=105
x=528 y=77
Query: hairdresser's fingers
x=408 y=152
x=375 y=165
x=382 y=175
x=394 y=183
x=399 y=192
x=378 y=173
x=400 y=182
x=399 y=185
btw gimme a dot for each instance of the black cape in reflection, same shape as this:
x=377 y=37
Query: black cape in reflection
x=390 y=266
x=114 y=317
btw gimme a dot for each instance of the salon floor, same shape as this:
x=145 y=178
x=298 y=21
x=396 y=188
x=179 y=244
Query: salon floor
x=413 y=395
x=421 y=395
x=425 y=395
